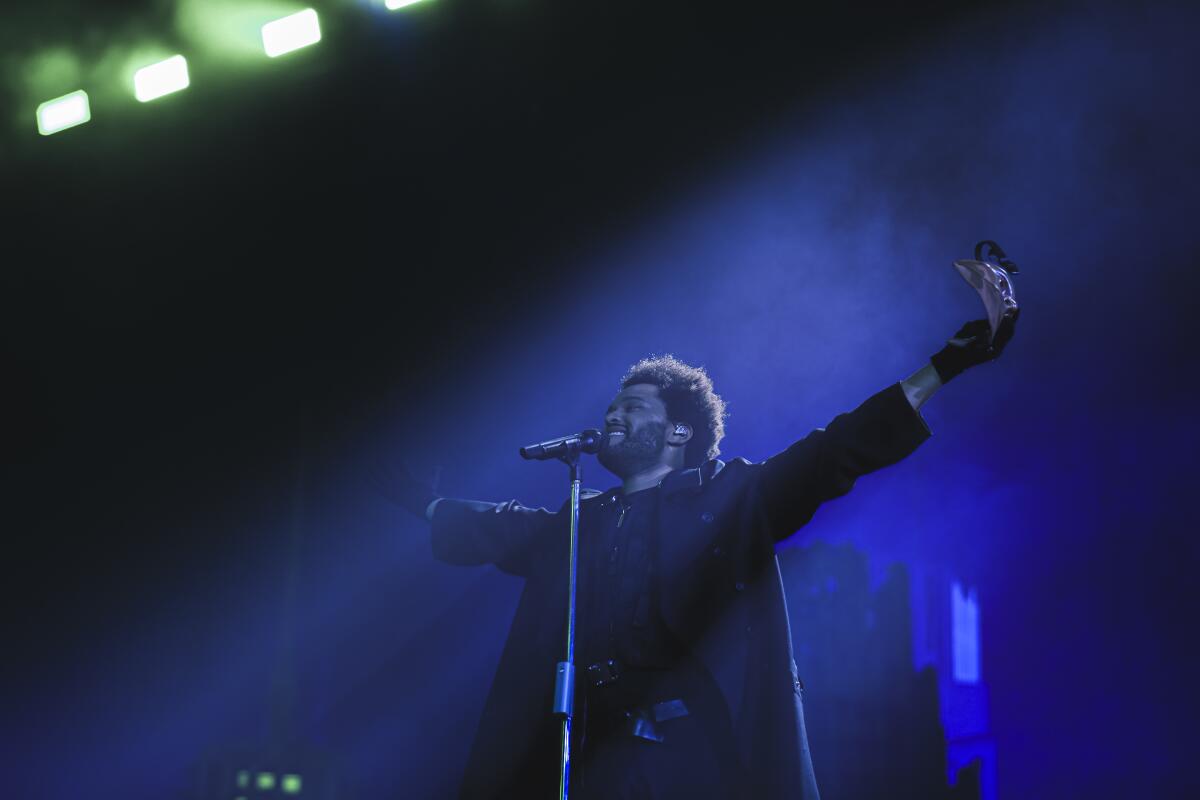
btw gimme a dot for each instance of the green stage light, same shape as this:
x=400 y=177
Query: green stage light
x=63 y=112
x=266 y=781
x=159 y=79
x=291 y=784
x=291 y=33
x=392 y=5
x=228 y=29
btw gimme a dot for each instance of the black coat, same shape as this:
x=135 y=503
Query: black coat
x=720 y=588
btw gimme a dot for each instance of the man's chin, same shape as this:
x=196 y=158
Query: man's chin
x=621 y=465
x=614 y=465
x=625 y=456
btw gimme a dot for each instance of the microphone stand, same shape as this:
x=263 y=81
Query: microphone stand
x=564 y=677
x=567 y=449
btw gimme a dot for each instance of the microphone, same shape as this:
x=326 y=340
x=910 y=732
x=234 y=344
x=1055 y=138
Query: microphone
x=589 y=441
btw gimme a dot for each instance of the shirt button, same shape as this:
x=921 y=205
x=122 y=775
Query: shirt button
x=706 y=516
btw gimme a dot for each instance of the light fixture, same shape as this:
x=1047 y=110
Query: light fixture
x=159 y=79
x=63 y=112
x=291 y=33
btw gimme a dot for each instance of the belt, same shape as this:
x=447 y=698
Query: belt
x=641 y=720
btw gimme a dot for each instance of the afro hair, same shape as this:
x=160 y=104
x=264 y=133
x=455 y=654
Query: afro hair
x=688 y=394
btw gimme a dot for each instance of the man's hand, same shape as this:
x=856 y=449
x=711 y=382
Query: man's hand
x=397 y=484
x=970 y=346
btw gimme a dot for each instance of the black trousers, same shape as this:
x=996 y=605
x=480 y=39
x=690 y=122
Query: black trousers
x=697 y=757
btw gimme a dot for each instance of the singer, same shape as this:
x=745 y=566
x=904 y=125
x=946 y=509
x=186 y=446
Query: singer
x=686 y=683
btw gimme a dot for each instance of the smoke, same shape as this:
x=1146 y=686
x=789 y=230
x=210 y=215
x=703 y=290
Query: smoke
x=228 y=28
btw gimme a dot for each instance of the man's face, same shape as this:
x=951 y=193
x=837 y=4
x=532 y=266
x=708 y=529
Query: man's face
x=639 y=417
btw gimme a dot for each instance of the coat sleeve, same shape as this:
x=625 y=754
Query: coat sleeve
x=825 y=463
x=509 y=535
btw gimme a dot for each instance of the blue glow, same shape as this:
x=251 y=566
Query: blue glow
x=842 y=218
x=964 y=633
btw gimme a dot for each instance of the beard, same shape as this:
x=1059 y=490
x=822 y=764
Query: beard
x=635 y=452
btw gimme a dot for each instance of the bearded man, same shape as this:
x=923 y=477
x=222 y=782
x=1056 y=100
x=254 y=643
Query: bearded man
x=687 y=685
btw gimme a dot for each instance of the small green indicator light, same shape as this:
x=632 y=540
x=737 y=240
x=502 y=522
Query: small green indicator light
x=266 y=780
x=243 y=778
x=291 y=784
x=291 y=33
x=63 y=112
x=156 y=80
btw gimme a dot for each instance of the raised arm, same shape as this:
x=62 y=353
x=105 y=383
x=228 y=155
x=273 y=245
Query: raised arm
x=920 y=386
x=826 y=463
x=883 y=430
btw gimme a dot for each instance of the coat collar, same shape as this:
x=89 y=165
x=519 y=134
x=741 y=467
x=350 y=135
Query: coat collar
x=681 y=481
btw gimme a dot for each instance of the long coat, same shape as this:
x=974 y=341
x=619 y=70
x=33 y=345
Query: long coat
x=720 y=589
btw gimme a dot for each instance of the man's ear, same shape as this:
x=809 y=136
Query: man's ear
x=681 y=434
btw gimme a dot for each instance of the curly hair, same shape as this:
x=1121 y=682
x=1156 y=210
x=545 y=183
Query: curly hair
x=688 y=394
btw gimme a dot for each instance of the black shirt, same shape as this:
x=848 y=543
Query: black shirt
x=620 y=620
x=619 y=616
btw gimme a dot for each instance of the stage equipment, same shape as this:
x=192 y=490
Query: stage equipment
x=587 y=442
x=291 y=33
x=156 y=80
x=392 y=5
x=63 y=112
x=991 y=274
x=567 y=449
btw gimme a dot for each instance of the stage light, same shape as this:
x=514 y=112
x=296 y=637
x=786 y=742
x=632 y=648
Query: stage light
x=392 y=5
x=159 y=79
x=291 y=33
x=63 y=112
x=266 y=781
x=291 y=784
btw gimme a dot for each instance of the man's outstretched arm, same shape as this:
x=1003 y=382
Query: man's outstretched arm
x=881 y=431
x=827 y=462
x=921 y=385
x=470 y=532
x=970 y=346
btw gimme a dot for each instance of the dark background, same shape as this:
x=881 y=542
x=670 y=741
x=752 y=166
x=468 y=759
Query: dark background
x=441 y=233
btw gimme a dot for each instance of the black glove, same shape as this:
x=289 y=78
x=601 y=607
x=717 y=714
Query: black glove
x=970 y=346
x=397 y=484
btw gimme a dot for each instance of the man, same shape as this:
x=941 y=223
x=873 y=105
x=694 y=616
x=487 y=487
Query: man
x=686 y=685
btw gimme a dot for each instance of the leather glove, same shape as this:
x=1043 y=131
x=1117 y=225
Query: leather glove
x=398 y=485
x=970 y=346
